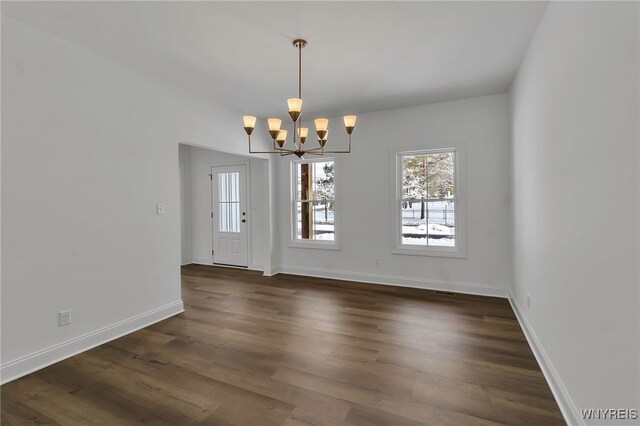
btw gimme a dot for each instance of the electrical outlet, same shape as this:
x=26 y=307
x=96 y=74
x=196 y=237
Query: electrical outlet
x=376 y=261
x=528 y=301
x=64 y=318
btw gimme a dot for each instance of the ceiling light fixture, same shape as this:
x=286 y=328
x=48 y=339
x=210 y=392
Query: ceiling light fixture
x=299 y=134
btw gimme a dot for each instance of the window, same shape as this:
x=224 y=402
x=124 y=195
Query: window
x=427 y=205
x=314 y=203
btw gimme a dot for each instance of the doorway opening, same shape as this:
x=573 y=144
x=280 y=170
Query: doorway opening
x=223 y=202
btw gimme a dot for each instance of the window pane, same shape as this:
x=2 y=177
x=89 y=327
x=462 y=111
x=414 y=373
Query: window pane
x=315 y=220
x=229 y=202
x=229 y=186
x=428 y=176
x=315 y=181
x=234 y=186
x=222 y=187
x=441 y=227
x=440 y=169
x=414 y=176
x=301 y=171
x=229 y=217
x=414 y=223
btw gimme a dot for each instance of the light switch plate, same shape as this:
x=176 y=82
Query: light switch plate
x=160 y=208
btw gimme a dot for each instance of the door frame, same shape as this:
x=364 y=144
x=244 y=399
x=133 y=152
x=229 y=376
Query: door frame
x=184 y=259
x=247 y=184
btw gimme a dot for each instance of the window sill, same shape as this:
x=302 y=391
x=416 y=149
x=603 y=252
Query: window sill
x=314 y=245
x=434 y=252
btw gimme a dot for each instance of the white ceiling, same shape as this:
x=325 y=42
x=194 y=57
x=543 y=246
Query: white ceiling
x=362 y=56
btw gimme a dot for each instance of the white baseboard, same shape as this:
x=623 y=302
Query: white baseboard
x=428 y=284
x=256 y=267
x=45 y=357
x=566 y=404
x=207 y=262
x=271 y=271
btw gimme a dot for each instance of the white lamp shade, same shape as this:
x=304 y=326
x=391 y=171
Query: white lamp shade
x=249 y=121
x=295 y=104
x=349 y=121
x=282 y=135
x=322 y=124
x=274 y=123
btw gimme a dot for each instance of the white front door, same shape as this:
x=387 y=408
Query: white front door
x=230 y=218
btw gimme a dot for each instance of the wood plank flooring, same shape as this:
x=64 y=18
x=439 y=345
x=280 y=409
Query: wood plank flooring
x=289 y=350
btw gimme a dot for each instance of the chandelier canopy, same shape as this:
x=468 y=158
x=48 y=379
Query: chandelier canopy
x=299 y=134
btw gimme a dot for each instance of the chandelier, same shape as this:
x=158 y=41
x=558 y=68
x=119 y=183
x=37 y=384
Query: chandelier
x=279 y=135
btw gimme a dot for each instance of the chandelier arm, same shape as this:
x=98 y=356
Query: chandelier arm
x=285 y=151
x=265 y=152
x=348 y=151
x=337 y=152
x=277 y=150
x=314 y=149
x=319 y=148
x=280 y=150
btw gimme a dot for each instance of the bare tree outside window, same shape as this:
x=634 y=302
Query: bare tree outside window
x=428 y=198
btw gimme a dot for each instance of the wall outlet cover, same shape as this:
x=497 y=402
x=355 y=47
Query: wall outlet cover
x=64 y=318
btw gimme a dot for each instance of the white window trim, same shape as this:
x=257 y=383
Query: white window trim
x=460 y=249
x=315 y=244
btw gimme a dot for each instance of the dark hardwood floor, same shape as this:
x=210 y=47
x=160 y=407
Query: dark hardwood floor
x=289 y=350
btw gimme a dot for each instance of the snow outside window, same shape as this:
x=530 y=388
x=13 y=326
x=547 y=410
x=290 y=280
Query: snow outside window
x=427 y=203
x=314 y=202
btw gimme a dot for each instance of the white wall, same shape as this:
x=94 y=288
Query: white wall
x=482 y=123
x=184 y=161
x=274 y=244
x=201 y=161
x=576 y=187
x=89 y=146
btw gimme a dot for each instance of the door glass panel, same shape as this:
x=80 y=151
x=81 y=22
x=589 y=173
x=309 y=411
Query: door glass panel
x=229 y=202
